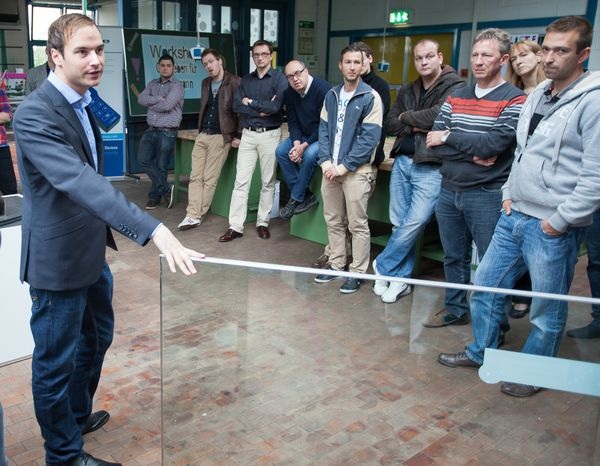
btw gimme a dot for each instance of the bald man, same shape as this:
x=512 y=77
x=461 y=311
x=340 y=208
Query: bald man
x=297 y=155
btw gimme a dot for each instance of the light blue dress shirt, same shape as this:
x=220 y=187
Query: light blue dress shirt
x=78 y=102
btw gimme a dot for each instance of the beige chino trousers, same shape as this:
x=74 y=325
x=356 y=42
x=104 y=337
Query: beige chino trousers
x=349 y=195
x=208 y=156
x=254 y=146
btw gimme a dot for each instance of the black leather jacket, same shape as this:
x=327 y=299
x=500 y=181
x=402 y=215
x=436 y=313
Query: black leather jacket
x=421 y=114
x=228 y=120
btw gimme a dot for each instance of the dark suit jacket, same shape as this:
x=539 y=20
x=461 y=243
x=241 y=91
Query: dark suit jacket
x=35 y=77
x=67 y=205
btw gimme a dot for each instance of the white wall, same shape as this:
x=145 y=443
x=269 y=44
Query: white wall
x=316 y=11
x=358 y=14
x=350 y=15
x=108 y=14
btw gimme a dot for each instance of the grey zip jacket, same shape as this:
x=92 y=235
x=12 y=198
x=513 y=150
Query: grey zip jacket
x=556 y=170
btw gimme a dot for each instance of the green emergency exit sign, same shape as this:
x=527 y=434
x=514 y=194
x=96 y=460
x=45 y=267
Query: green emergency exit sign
x=400 y=17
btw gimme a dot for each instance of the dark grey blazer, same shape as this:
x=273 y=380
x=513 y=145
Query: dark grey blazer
x=67 y=205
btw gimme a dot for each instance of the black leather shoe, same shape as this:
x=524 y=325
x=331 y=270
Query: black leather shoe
x=518 y=389
x=443 y=318
x=263 y=232
x=88 y=460
x=501 y=339
x=589 y=331
x=95 y=421
x=230 y=235
x=457 y=360
x=518 y=313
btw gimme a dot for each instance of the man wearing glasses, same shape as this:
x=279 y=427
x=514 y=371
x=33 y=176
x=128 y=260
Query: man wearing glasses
x=218 y=131
x=259 y=103
x=297 y=155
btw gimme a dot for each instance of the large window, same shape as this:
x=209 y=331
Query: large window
x=171 y=14
x=40 y=18
x=204 y=18
x=264 y=24
x=146 y=14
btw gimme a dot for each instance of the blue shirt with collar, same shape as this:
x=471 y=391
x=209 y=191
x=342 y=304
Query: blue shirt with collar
x=78 y=102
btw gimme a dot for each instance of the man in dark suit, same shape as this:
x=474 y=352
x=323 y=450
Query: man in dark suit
x=68 y=210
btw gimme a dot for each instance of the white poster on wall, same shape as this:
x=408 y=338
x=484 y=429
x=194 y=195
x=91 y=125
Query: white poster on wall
x=108 y=103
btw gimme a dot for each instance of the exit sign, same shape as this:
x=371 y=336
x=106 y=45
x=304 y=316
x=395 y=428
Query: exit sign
x=400 y=17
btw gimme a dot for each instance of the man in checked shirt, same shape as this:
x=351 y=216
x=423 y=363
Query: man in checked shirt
x=164 y=98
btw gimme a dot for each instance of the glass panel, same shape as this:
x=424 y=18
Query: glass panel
x=271 y=26
x=171 y=16
x=261 y=365
x=146 y=14
x=205 y=19
x=41 y=18
x=225 y=19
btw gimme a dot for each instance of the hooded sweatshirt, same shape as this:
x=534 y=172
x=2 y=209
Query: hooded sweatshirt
x=556 y=170
x=415 y=110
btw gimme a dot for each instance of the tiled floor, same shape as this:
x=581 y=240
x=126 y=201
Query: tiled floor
x=310 y=377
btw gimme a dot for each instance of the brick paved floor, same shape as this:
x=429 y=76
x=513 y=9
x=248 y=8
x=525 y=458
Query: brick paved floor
x=360 y=387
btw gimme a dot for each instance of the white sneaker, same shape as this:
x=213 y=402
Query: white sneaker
x=380 y=286
x=395 y=290
x=188 y=223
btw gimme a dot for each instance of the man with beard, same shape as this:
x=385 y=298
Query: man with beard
x=349 y=131
x=548 y=201
x=217 y=132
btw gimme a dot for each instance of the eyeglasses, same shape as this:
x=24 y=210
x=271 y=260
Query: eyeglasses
x=296 y=74
x=261 y=55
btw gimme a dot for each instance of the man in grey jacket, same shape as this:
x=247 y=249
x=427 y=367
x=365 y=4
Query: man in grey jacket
x=349 y=132
x=548 y=201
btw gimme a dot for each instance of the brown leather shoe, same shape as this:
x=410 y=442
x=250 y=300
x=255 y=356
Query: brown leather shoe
x=263 y=232
x=321 y=261
x=230 y=235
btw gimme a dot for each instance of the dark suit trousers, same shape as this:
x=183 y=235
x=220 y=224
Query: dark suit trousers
x=72 y=331
x=8 y=181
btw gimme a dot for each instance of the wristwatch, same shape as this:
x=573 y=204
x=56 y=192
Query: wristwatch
x=444 y=137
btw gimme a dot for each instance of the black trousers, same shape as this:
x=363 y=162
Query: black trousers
x=8 y=180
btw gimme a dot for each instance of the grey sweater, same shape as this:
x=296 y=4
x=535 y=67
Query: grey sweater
x=556 y=171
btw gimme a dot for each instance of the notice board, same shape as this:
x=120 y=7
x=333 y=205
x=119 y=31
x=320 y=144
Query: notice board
x=143 y=48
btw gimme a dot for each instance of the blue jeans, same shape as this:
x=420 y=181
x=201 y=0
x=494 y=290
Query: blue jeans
x=464 y=217
x=297 y=176
x=414 y=191
x=519 y=244
x=156 y=149
x=593 y=267
x=72 y=331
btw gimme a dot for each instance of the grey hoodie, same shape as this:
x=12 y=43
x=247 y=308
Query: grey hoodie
x=556 y=171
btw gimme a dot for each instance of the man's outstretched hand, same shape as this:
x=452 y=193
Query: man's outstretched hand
x=175 y=252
